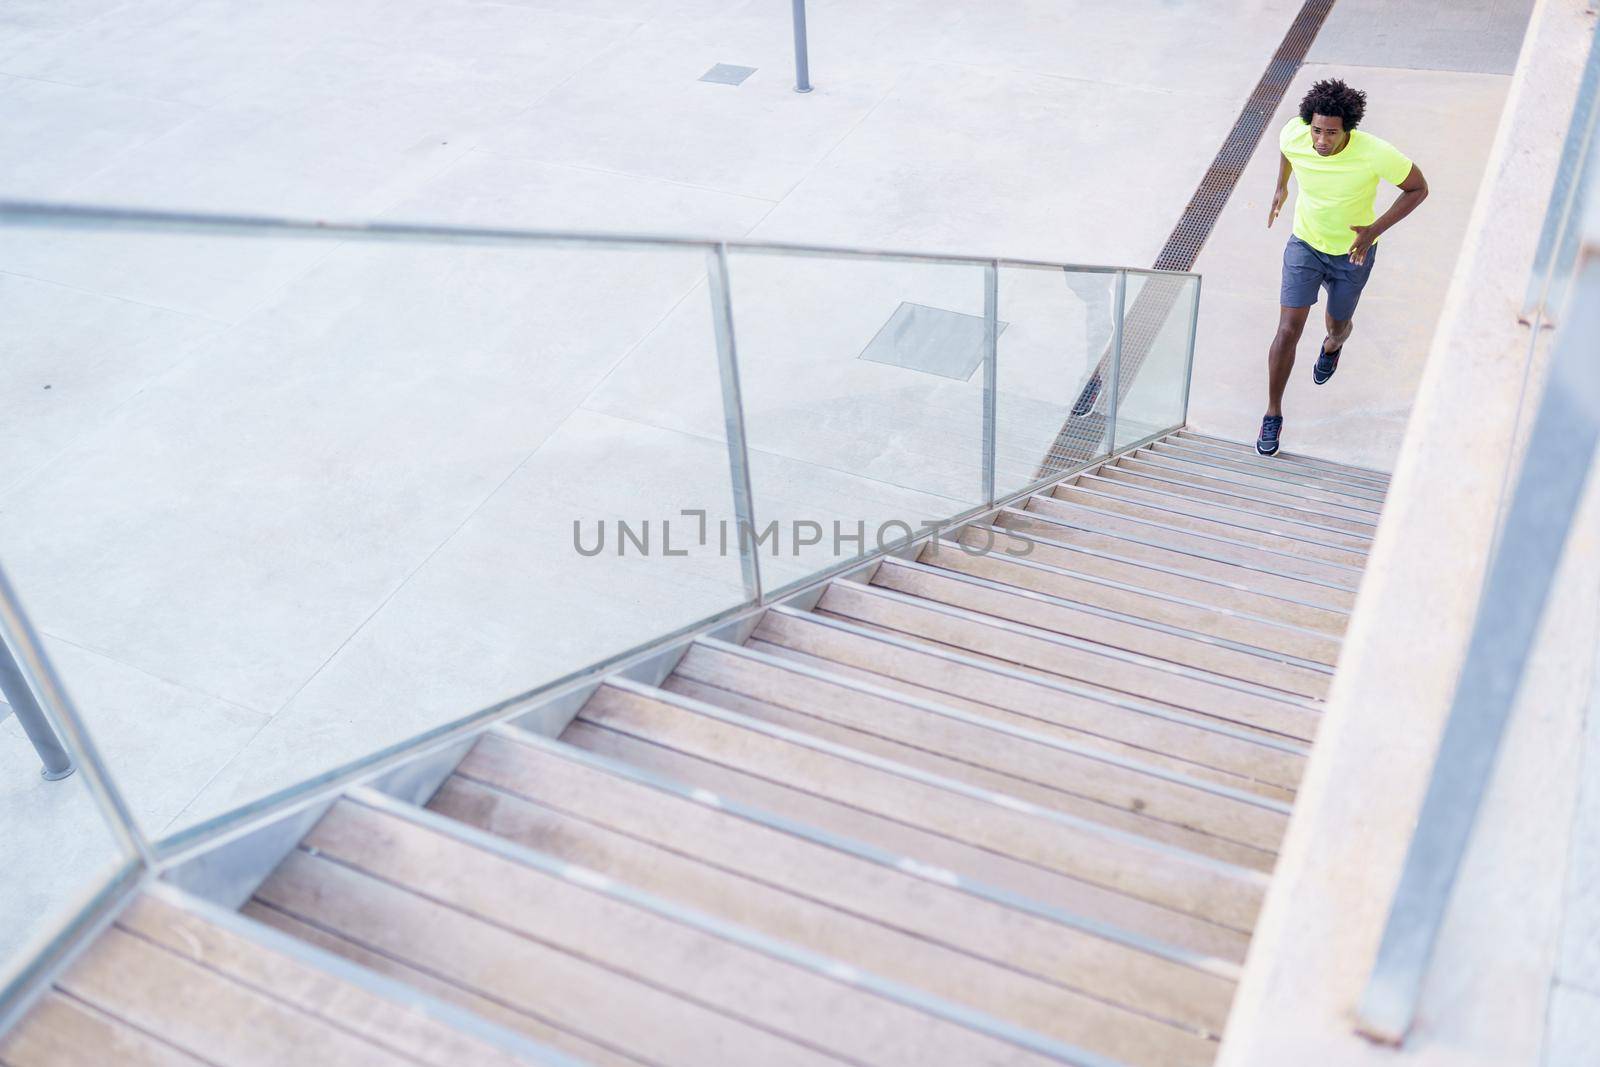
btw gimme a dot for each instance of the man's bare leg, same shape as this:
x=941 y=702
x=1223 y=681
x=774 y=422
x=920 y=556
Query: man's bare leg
x=1338 y=332
x=1280 y=357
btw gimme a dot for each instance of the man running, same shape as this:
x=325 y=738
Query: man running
x=1332 y=246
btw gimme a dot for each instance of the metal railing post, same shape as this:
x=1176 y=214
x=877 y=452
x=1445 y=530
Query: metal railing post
x=40 y=676
x=57 y=764
x=733 y=419
x=802 y=62
x=1557 y=237
x=991 y=371
x=1117 y=302
x=1188 y=365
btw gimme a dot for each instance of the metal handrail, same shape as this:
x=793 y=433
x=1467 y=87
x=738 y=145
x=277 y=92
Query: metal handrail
x=58 y=215
x=1559 y=456
x=733 y=415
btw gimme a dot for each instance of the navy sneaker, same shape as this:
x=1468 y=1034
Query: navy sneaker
x=1327 y=363
x=1086 y=399
x=1271 y=427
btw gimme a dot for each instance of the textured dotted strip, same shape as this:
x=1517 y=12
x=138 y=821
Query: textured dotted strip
x=1080 y=438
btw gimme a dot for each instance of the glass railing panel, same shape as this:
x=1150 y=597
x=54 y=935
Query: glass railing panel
x=419 y=478
x=57 y=851
x=1056 y=330
x=56 y=845
x=426 y=472
x=863 y=392
x=1157 y=346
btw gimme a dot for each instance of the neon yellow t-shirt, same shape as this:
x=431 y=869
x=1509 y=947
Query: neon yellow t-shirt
x=1338 y=191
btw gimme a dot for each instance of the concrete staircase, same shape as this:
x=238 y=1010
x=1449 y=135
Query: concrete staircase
x=1011 y=808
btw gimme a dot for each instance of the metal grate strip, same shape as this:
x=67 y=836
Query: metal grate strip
x=1081 y=436
x=1194 y=226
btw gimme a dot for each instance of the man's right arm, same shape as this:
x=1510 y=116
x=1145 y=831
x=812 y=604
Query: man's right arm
x=1281 y=195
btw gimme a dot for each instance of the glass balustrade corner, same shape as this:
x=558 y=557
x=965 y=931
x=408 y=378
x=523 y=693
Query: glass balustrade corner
x=377 y=484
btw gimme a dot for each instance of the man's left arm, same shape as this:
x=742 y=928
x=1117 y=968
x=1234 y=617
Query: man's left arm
x=1413 y=191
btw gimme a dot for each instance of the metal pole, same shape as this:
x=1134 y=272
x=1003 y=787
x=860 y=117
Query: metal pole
x=733 y=420
x=57 y=764
x=991 y=371
x=802 y=65
x=40 y=676
x=1116 y=360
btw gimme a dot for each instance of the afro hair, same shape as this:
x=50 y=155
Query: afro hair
x=1333 y=97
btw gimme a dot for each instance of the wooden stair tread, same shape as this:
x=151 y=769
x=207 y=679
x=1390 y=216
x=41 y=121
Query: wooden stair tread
x=1240 y=592
x=957 y=946
x=1101 y=668
x=1122 y=519
x=1239 y=450
x=565 y=990
x=62 y=1031
x=1074 y=540
x=1171 y=756
x=1168 y=511
x=977 y=749
x=934 y=840
x=440 y=985
x=1318 y=500
x=195 y=1008
x=1124 y=863
x=1078 y=705
x=405 y=1029
x=1236 y=515
x=958 y=770
x=753 y=1005
x=1309 y=490
x=1246 y=648
x=1252 y=501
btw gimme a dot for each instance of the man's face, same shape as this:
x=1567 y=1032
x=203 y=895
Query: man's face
x=1327 y=134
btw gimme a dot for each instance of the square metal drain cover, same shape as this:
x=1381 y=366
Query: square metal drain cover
x=931 y=340
x=727 y=74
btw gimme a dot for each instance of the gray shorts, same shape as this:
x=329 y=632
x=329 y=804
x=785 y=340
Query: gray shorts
x=1305 y=270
